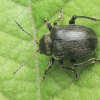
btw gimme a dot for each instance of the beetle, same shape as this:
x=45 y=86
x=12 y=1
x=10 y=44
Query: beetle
x=67 y=42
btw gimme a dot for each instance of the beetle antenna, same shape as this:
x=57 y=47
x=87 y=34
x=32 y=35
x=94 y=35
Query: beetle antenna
x=26 y=32
x=25 y=62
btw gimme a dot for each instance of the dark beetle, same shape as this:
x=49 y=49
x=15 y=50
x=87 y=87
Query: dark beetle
x=69 y=41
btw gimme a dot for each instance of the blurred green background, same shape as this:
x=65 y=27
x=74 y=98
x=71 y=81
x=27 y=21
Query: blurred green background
x=16 y=46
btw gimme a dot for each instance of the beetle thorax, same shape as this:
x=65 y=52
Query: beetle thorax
x=45 y=45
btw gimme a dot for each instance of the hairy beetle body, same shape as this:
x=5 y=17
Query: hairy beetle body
x=69 y=41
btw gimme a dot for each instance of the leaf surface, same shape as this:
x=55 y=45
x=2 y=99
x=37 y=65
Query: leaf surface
x=16 y=46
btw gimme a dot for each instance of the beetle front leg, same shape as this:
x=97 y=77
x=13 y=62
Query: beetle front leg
x=72 y=20
x=92 y=60
x=59 y=18
x=50 y=66
x=48 y=24
x=71 y=69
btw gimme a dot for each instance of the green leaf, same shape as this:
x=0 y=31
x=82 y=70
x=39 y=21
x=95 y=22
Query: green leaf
x=16 y=46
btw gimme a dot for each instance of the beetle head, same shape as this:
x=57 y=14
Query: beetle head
x=45 y=45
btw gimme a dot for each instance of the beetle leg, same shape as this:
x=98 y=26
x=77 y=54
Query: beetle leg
x=50 y=66
x=73 y=62
x=59 y=18
x=92 y=60
x=72 y=20
x=71 y=69
x=48 y=24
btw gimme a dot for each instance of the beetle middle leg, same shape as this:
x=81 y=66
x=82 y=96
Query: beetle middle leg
x=92 y=60
x=59 y=18
x=50 y=66
x=72 y=20
x=71 y=69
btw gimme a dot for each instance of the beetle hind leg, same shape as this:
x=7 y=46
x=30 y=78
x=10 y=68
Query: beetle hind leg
x=72 y=20
x=69 y=68
x=92 y=60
